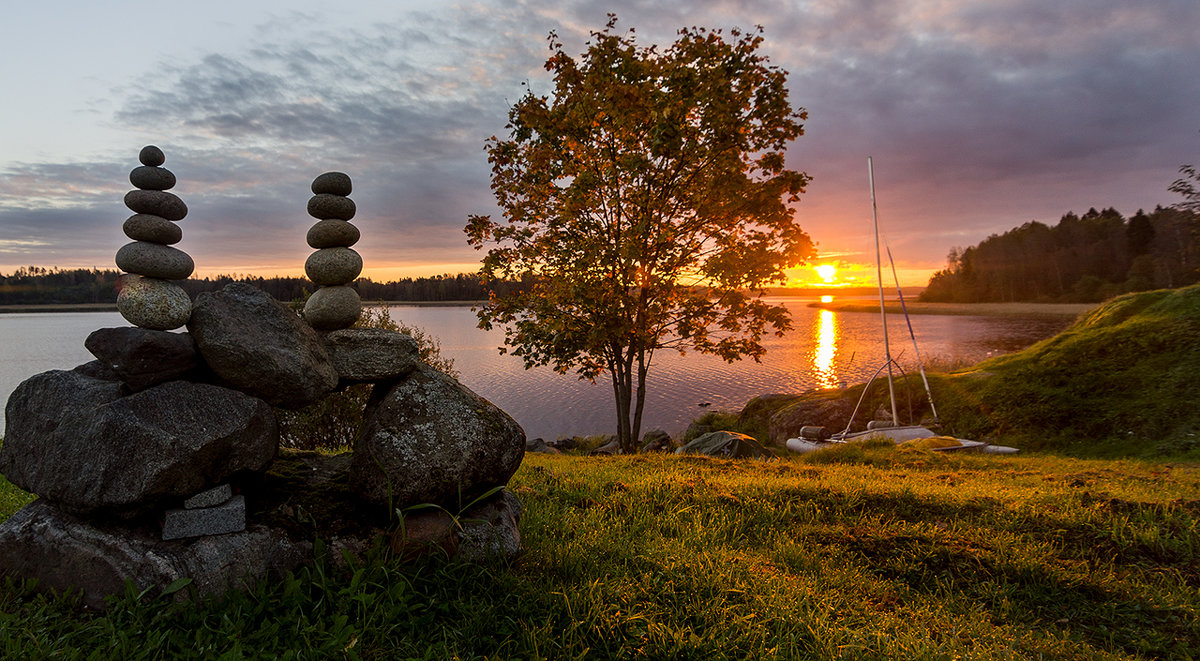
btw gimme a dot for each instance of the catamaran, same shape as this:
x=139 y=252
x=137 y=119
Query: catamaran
x=814 y=437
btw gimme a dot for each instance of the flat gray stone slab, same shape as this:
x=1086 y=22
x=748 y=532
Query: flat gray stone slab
x=226 y=518
x=218 y=495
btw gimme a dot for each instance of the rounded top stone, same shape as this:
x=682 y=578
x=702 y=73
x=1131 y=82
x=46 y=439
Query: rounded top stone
x=152 y=156
x=334 y=183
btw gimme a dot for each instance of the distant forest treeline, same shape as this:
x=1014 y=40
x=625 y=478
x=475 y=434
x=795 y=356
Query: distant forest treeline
x=1084 y=258
x=34 y=285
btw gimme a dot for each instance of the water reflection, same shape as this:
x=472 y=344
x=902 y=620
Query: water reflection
x=826 y=350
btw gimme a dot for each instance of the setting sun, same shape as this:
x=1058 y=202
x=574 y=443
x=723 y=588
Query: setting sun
x=827 y=272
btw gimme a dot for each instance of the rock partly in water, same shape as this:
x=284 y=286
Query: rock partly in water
x=539 y=445
x=63 y=552
x=85 y=445
x=429 y=439
x=142 y=357
x=255 y=344
x=371 y=354
x=830 y=410
x=757 y=412
x=656 y=440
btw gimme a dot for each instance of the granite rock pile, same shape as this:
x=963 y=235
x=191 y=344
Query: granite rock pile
x=160 y=459
x=149 y=298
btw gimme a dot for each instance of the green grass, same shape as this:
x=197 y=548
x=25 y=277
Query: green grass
x=864 y=552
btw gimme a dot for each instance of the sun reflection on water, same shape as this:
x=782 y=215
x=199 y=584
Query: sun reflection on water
x=826 y=336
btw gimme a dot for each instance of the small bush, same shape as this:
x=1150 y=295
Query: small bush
x=332 y=423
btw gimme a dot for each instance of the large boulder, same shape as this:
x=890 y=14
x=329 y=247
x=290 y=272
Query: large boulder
x=81 y=442
x=656 y=440
x=757 y=412
x=258 y=346
x=63 y=553
x=831 y=410
x=429 y=439
x=371 y=354
x=144 y=358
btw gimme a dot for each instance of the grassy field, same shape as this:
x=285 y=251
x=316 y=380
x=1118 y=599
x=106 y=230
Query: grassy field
x=864 y=552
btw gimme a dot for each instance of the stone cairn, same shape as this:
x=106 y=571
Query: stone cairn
x=148 y=298
x=160 y=459
x=334 y=264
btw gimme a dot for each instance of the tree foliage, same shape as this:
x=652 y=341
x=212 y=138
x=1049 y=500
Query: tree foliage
x=1084 y=258
x=645 y=206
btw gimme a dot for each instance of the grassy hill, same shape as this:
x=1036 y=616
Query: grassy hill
x=1122 y=381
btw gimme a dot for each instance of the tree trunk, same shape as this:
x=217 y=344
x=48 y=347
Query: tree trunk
x=636 y=429
x=621 y=391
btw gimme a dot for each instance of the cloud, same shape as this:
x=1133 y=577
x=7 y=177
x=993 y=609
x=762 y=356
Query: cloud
x=980 y=116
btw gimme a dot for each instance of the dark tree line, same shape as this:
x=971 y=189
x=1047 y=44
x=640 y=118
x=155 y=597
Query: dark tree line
x=1081 y=259
x=31 y=285
x=34 y=285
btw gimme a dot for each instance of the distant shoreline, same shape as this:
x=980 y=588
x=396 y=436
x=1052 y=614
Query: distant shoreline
x=1035 y=310
x=58 y=307
x=112 y=307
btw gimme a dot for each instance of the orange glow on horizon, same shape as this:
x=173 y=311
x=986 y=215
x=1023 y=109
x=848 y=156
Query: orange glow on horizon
x=840 y=274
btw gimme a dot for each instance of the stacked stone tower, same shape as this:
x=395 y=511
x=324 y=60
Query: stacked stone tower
x=153 y=463
x=334 y=264
x=149 y=299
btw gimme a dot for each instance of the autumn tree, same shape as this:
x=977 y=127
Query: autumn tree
x=645 y=206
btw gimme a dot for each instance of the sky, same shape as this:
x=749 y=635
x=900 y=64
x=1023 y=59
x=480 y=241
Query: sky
x=979 y=116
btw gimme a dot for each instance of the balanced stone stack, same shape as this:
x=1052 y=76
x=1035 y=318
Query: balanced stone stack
x=148 y=298
x=334 y=264
x=157 y=461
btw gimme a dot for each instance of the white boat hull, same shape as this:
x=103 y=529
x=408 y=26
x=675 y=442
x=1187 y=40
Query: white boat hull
x=898 y=435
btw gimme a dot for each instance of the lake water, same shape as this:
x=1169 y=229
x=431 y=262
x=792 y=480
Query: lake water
x=823 y=349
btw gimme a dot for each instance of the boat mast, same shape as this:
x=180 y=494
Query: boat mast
x=887 y=350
